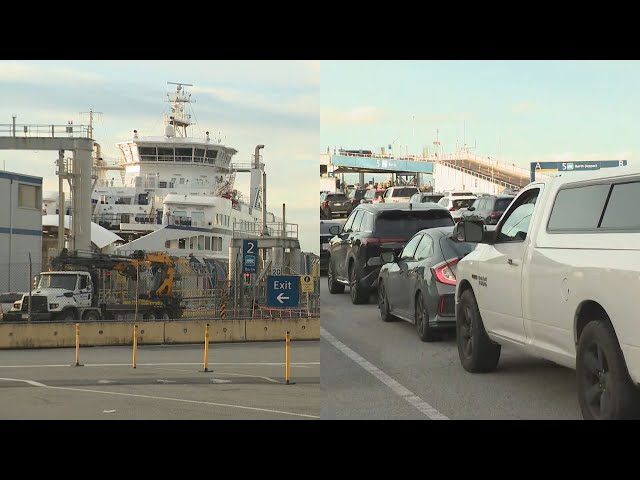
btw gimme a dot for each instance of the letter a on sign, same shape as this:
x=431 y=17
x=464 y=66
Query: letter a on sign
x=538 y=167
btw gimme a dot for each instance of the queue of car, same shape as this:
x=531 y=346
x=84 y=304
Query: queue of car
x=564 y=249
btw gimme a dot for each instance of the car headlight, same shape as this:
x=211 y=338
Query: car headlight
x=53 y=306
x=17 y=305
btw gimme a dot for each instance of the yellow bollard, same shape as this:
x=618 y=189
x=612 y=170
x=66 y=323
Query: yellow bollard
x=77 y=346
x=287 y=359
x=135 y=345
x=206 y=348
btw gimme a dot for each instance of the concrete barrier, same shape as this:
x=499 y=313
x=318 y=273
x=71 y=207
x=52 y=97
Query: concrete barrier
x=276 y=329
x=48 y=335
x=192 y=331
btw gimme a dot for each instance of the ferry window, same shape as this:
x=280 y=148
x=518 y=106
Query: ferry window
x=147 y=154
x=173 y=182
x=622 y=210
x=219 y=241
x=167 y=243
x=192 y=242
x=199 y=155
x=182 y=243
x=200 y=242
x=182 y=181
x=165 y=154
x=162 y=185
x=565 y=216
x=212 y=153
x=197 y=219
x=29 y=196
x=183 y=154
x=207 y=243
x=217 y=221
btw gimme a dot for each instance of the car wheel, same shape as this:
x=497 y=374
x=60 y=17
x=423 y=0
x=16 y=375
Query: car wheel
x=383 y=304
x=605 y=391
x=149 y=316
x=164 y=315
x=477 y=352
x=91 y=316
x=359 y=294
x=425 y=332
x=334 y=287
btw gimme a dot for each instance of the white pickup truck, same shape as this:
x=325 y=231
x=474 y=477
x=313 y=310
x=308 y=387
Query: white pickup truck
x=558 y=276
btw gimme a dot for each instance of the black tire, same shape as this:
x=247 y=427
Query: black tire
x=91 y=316
x=605 y=390
x=334 y=287
x=478 y=354
x=164 y=315
x=359 y=294
x=149 y=316
x=68 y=315
x=383 y=304
x=426 y=333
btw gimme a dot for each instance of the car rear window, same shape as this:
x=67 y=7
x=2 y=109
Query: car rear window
x=325 y=226
x=463 y=203
x=358 y=194
x=451 y=249
x=336 y=197
x=401 y=223
x=404 y=192
x=502 y=204
x=461 y=194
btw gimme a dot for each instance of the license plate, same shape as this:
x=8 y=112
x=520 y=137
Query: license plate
x=337 y=204
x=25 y=316
x=325 y=246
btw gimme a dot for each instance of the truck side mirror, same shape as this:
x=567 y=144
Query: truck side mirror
x=468 y=231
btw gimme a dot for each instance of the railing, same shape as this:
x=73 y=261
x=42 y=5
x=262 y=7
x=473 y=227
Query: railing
x=498 y=177
x=44 y=131
x=271 y=229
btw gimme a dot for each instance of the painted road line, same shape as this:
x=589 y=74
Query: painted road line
x=240 y=364
x=396 y=387
x=151 y=397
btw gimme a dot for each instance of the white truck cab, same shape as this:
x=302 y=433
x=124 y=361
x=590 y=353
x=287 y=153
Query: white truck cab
x=557 y=277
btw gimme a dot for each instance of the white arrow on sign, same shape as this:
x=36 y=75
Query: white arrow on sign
x=281 y=297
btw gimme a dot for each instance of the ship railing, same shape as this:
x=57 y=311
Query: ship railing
x=271 y=229
x=45 y=131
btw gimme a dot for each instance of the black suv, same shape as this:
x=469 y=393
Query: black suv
x=371 y=230
x=334 y=204
x=488 y=208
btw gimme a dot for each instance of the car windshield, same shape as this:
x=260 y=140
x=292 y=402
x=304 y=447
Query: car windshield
x=68 y=282
x=406 y=223
x=463 y=203
x=404 y=192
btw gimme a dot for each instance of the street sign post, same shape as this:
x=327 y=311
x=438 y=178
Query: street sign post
x=307 y=283
x=283 y=291
x=249 y=256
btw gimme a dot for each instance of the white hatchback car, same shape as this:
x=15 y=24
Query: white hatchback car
x=399 y=194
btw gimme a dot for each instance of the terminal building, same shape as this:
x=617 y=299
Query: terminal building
x=20 y=230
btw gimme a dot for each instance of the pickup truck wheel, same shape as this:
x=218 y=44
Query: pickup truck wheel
x=477 y=352
x=334 y=287
x=91 y=316
x=67 y=316
x=359 y=294
x=605 y=391
x=383 y=304
x=149 y=316
x=164 y=315
x=425 y=333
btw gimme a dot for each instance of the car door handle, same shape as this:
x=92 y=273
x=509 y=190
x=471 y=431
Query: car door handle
x=513 y=262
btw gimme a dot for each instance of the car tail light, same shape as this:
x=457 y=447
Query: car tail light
x=325 y=204
x=443 y=272
x=452 y=209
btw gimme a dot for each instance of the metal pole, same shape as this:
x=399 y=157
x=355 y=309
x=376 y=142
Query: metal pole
x=78 y=345
x=287 y=358
x=135 y=319
x=30 y=285
x=60 y=199
x=135 y=345
x=206 y=348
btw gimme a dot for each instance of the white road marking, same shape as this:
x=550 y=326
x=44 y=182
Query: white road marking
x=151 y=397
x=108 y=411
x=396 y=387
x=219 y=380
x=128 y=364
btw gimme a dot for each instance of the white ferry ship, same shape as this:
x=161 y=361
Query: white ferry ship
x=178 y=192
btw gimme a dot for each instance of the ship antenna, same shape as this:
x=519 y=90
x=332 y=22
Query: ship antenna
x=178 y=118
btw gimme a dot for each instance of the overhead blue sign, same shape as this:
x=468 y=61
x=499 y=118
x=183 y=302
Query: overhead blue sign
x=575 y=166
x=283 y=290
x=382 y=163
x=249 y=256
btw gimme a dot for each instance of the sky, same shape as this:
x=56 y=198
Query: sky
x=517 y=111
x=275 y=103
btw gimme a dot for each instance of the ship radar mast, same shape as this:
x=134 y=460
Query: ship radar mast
x=178 y=119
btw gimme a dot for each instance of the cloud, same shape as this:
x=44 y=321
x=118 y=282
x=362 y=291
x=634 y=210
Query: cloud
x=523 y=107
x=356 y=115
x=45 y=75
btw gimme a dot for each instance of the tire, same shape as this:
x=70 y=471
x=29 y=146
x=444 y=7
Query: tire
x=68 y=316
x=421 y=318
x=605 y=390
x=149 y=316
x=478 y=354
x=359 y=294
x=164 y=315
x=91 y=316
x=334 y=287
x=383 y=304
